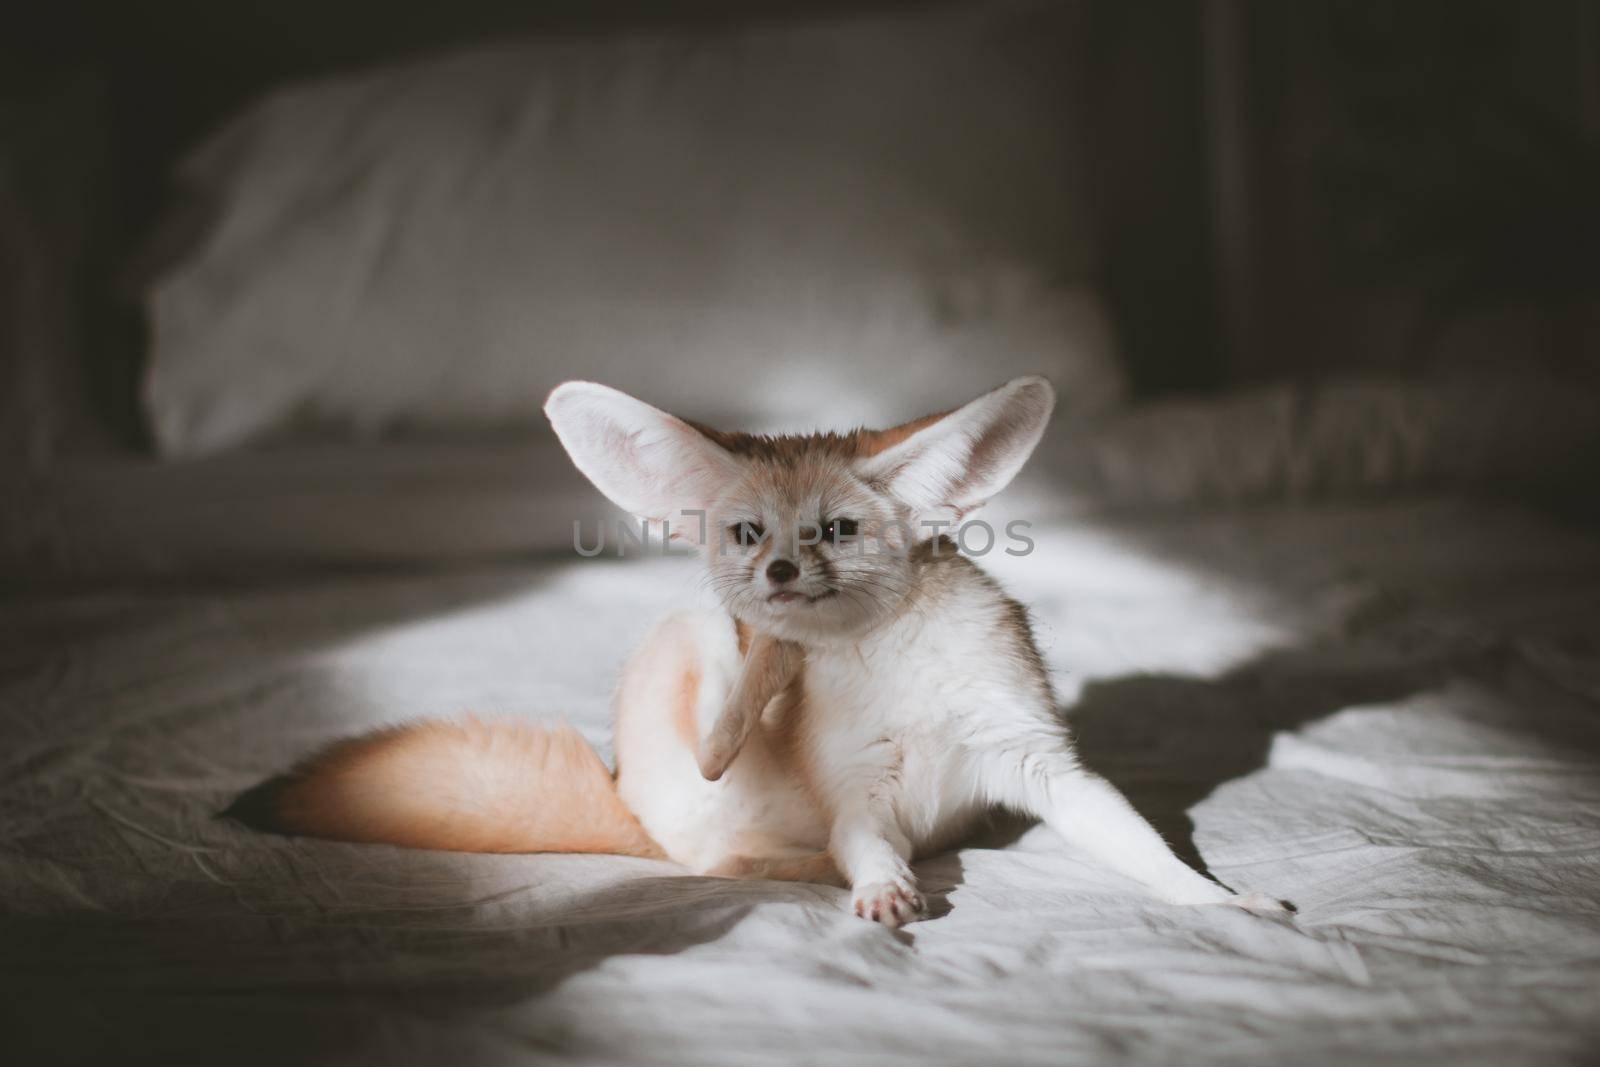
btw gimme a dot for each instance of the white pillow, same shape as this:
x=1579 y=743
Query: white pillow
x=776 y=227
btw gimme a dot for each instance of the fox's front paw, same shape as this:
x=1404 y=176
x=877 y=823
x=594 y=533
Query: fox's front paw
x=1261 y=904
x=890 y=903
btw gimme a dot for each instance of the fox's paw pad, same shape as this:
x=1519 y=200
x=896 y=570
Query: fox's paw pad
x=890 y=903
x=1262 y=904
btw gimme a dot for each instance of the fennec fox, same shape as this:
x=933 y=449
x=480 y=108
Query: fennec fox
x=862 y=694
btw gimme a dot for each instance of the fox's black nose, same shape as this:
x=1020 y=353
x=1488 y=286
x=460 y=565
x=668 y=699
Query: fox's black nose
x=780 y=571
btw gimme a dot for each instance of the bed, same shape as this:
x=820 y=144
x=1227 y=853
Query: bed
x=1306 y=628
x=1384 y=712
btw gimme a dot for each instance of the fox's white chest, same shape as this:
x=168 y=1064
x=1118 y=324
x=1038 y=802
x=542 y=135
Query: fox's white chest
x=937 y=676
x=897 y=712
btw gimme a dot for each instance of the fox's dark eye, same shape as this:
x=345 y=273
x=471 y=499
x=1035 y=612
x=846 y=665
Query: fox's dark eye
x=838 y=528
x=747 y=533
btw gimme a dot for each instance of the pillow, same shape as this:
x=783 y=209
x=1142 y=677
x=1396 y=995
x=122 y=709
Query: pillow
x=775 y=227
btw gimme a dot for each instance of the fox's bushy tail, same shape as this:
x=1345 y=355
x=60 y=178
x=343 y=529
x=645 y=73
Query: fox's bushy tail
x=464 y=785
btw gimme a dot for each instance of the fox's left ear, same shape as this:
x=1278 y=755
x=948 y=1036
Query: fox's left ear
x=956 y=463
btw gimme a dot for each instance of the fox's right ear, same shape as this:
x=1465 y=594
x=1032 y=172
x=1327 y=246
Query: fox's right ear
x=647 y=462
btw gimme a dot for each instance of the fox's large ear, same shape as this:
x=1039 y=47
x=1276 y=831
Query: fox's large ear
x=958 y=462
x=645 y=461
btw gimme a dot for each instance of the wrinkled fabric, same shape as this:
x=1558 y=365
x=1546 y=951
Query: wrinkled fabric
x=1386 y=714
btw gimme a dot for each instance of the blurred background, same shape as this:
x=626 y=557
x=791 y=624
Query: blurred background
x=263 y=267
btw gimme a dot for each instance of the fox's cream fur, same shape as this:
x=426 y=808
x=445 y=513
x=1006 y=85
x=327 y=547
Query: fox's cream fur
x=853 y=702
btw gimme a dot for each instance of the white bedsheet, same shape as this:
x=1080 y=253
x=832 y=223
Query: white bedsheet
x=1386 y=714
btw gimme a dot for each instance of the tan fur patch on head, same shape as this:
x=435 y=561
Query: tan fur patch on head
x=786 y=449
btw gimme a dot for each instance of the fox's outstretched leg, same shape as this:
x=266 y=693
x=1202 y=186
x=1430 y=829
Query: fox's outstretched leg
x=1094 y=817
